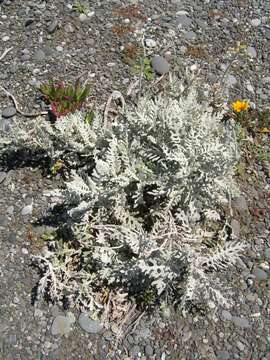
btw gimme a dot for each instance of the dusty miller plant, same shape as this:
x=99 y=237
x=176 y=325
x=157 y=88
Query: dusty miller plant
x=66 y=139
x=148 y=219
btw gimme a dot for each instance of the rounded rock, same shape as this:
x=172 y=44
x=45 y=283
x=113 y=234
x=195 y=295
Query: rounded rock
x=39 y=55
x=61 y=325
x=267 y=254
x=9 y=111
x=89 y=325
x=260 y=274
x=149 y=350
x=52 y=26
x=160 y=65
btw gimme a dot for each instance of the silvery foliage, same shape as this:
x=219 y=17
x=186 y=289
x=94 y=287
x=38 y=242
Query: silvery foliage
x=69 y=135
x=143 y=219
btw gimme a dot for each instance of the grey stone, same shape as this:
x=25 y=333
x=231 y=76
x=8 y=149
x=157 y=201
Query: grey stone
x=69 y=28
x=3 y=175
x=223 y=355
x=10 y=210
x=235 y=225
x=231 y=80
x=3 y=221
x=89 y=325
x=134 y=351
x=150 y=43
x=260 y=274
x=130 y=339
x=61 y=325
x=52 y=26
x=48 y=51
x=83 y=17
x=190 y=35
x=25 y=57
x=108 y=335
x=240 y=204
x=267 y=34
x=240 y=346
x=241 y=322
x=266 y=253
x=148 y=350
x=27 y=210
x=226 y=315
x=9 y=111
x=39 y=55
x=183 y=21
x=12 y=237
x=255 y=22
x=160 y=65
x=251 y=51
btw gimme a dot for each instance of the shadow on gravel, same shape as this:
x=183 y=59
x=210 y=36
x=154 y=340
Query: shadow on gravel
x=20 y=158
x=56 y=217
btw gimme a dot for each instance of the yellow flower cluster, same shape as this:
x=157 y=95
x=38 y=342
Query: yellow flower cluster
x=239 y=106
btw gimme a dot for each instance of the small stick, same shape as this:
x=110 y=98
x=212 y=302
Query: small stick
x=17 y=106
x=5 y=53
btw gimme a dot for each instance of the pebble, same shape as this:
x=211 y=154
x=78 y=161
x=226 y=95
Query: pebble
x=240 y=346
x=150 y=43
x=259 y=274
x=231 y=80
x=190 y=35
x=12 y=237
x=160 y=65
x=108 y=335
x=89 y=325
x=251 y=51
x=255 y=22
x=267 y=34
x=61 y=325
x=3 y=175
x=27 y=210
x=10 y=209
x=83 y=17
x=241 y=322
x=39 y=55
x=134 y=351
x=9 y=111
x=223 y=355
x=52 y=26
x=240 y=204
x=226 y=315
x=148 y=350
x=183 y=21
x=5 y=38
x=69 y=28
x=266 y=253
x=235 y=225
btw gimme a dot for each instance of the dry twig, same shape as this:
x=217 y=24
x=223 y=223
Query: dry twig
x=8 y=94
x=5 y=53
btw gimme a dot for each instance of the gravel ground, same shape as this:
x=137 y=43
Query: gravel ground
x=49 y=40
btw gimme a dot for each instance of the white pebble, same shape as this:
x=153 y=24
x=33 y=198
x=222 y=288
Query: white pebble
x=150 y=43
x=24 y=251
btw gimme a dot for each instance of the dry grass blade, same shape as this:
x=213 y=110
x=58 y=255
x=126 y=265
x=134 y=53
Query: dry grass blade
x=5 y=53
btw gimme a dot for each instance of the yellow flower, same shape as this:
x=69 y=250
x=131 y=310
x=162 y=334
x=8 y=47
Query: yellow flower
x=239 y=106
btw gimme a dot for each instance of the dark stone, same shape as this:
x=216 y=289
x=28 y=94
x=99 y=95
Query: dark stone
x=9 y=111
